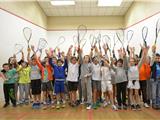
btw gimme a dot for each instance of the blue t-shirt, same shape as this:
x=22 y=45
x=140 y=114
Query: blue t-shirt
x=157 y=71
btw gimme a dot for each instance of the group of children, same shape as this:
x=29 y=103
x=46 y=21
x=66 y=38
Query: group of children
x=94 y=80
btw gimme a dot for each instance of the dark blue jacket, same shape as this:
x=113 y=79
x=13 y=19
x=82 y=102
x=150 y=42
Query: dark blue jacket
x=153 y=69
x=59 y=71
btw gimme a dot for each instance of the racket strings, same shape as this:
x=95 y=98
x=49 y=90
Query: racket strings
x=18 y=48
x=60 y=41
x=27 y=33
x=157 y=30
x=120 y=36
x=82 y=31
x=129 y=36
x=42 y=44
x=144 y=34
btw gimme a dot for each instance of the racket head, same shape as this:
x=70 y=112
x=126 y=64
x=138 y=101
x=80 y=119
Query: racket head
x=60 y=41
x=42 y=44
x=18 y=48
x=130 y=34
x=157 y=30
x=75 y=40
x=106 y=39
x=144 y=34
x=92 y=39
x=120 y=36
x=114 y=42
x=83 y=42
x=82 y=31
x=27 y=32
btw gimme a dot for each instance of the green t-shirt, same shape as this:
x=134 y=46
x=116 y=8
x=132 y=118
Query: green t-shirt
x=24 y=74
x=11 y=76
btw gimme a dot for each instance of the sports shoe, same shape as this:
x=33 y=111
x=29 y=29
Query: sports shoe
x=114 y=107
x=44 y=103
x=5 y=105
x=63 y=104
x=53 y=106
x=14 y=105
x=105 y=104
x=34 y=105
x=119 y=107
x=146 y=105
x=58 y=105
x=133 y=107
x=45 y=107
x=89 y=106
x=125 y=107
x=138 y=107
x=98 y=104
x=94 y=106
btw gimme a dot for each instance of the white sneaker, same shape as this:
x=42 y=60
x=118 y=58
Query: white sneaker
x=109 y=102
x=114 y=107
x=44 y=103
x=146 y=105
x=89 y=107
x=105 y=104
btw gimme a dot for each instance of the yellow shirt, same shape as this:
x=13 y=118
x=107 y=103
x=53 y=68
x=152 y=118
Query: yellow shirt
x=24 y=74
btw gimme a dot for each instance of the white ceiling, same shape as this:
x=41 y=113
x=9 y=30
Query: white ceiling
x=84 y=8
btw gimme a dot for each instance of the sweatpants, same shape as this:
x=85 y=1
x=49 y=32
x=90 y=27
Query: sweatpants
x=86 y=89
x=23 y=92
x=121 y=93
x=9 y=93
x=155 y=93
x=143 y=90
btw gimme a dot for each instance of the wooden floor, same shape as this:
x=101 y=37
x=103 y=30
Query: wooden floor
x=79 y=113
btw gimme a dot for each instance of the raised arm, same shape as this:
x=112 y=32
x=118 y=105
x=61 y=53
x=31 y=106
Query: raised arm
x=28 y=56
x=144 y=55
x=153 y=55
x=69 y=53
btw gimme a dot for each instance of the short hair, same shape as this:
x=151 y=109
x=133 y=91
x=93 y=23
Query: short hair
x=59 y=60
x=73 y=57
x=5 y=64
x=120 y=60
x=157 y=54
x=24 y=62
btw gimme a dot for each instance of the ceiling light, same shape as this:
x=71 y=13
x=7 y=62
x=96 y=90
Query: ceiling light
x=109 y=2
x=62 y=2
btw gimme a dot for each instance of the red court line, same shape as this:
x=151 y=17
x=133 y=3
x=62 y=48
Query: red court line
x=142 y=20
x=90 y=114
x=22 y=116
x=76 y=29
x=22 y=18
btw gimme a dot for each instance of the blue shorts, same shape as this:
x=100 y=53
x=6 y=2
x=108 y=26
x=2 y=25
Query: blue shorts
x=59 y=87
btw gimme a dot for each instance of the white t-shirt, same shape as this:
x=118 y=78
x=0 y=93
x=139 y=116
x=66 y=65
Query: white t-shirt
x=106 y=74
x=73 y=72
x=96 y=72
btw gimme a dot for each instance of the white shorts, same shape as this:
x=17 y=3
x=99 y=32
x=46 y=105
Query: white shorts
x=106 y=86
x=133 y=85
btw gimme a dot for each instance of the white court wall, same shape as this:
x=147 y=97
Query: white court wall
x=11 y=33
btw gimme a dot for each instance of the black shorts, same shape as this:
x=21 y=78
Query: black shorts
x=36 y=87
x=72 y=86
x=47 y=86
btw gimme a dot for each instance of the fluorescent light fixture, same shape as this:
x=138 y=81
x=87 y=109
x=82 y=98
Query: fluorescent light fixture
x=62 y=2
x=109 y=2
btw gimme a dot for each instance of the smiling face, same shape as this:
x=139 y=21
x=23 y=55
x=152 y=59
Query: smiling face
x=24 y=64
x=95 y=60
x=59 y=63
x=6 y=67
x=73 y=60
x=86 y=59
x=11 y=60
x=132 y=62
